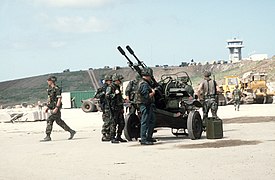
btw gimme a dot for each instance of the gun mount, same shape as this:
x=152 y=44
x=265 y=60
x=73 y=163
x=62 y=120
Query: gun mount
x=176 y=107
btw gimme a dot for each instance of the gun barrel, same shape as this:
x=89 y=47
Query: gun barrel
x=140 y=63
x=121 y=51
x=130 y=63
x=130 y=50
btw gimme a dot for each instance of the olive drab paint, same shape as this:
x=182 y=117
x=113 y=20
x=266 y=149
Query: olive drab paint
x=214 y=128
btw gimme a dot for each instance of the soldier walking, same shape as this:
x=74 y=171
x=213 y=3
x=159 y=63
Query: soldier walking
x=145 y=101
x=207 y=93
x=115 y=100
x=237 y=94
x=54 y=104
x=100 y=94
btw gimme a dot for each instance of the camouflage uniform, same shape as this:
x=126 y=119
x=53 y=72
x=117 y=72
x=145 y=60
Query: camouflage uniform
x=115 y=100
x=184 y=83
x=147 y=107
x=237 y=97
x=100 y=94
x=209 y=92
x=54 y=93
x=131 y=91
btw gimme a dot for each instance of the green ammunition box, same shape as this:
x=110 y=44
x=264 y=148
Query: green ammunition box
x=214 y=129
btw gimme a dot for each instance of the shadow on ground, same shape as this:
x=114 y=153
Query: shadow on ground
x=258 y=119
x=219 y=144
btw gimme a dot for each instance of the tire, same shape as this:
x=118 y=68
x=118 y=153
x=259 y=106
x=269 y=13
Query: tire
x=132 y=127
x=194 y=125
x=269 y=99
x=88 y=106
x=265 y=100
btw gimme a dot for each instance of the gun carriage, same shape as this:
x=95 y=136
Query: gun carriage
x=176 y=107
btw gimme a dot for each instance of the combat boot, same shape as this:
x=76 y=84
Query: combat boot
x=146 y=143
x=72 y=133
x=47 y=138
x=151 y=140
x=118 y=138
x=114 y=141
x=105 y=138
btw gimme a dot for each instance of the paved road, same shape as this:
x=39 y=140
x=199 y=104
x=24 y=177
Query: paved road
x=245 y=152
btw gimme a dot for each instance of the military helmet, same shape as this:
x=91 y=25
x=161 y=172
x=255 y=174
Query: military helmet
x=52 y=78
x=184 y=79
x=116 y=77
x=108 y=77
x=138 y=77
x=120 y=77
x=207 y=74
x=147 y=72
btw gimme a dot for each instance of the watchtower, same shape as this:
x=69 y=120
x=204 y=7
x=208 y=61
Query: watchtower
x=235 y=46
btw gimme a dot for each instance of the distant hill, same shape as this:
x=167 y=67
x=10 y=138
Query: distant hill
x=33 y=89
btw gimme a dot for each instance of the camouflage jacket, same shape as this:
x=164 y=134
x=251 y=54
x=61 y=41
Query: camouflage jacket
x=131 y=89
x=53 y=94
x=144 y=89
x=100 y=94
x=237 y=93
x=115 y=100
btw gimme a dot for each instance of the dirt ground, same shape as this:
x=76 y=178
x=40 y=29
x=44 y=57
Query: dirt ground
x=245 y=152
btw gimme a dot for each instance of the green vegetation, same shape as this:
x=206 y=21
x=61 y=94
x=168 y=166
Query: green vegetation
x=33 y=89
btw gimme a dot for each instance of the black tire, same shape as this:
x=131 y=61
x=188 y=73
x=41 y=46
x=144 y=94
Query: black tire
x=194 y=125
x=265 y=100
x=88 y=106
x=270 y=99
x=132 y=127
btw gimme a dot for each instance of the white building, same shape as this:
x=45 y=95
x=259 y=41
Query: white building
x=258 y=57
x=235 y=45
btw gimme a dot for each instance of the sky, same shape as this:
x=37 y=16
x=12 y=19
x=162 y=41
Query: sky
x=40 y=37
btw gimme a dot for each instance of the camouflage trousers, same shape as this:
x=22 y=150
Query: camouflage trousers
x=207 y=105
x=237 y=103
x=107 y=124
x=57 y=118
x=118 y=123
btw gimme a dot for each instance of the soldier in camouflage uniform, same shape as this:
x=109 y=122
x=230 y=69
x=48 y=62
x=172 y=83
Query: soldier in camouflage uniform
x=145 y=100
x=115 y=100
x=184 y=83
x=207 y=92
x=54 y=105
x=130 y=93
x=237 y=97
x=100 y=94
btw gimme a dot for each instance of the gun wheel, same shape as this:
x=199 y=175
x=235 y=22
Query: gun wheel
x=132 y=127
x=88 y=106
x=194 y=125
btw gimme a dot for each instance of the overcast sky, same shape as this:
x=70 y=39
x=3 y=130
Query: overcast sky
x=47 y=36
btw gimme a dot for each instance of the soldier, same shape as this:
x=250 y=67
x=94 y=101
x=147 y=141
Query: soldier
x=54 y=104
x=100 y=94
x=145 y=101
x=207 y=92
x=115 y=100
x=130 y=93
x=237 y=97
x=183 y=82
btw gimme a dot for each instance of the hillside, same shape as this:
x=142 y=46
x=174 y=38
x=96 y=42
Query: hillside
x=33 y=89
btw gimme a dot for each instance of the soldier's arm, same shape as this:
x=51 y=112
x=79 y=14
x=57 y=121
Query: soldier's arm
x=58 y=103
x=109 y=93
x=217 y=87
x=128 y=89
x=199 y=91
x=144 y=90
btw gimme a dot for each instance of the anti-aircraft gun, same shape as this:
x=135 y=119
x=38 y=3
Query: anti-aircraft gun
x=176 y=107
